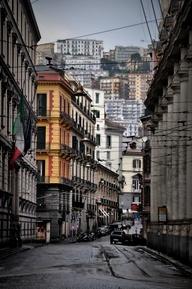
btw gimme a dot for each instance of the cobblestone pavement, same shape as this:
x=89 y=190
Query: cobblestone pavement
x=92 y=265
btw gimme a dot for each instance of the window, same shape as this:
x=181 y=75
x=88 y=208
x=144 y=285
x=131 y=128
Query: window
x=98 y=139
x=108 y=140
x=41 y=136
x=96 y=97
x=135 y=184
x=147 y=196
x=108 y=156
x=41 y=104
x=98 y=155
x=136 y=199
x=136 y=164
x=98 y=127
x=41 y=170
x=74 y=142
x=96 y=113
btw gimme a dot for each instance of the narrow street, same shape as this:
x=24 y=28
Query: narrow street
x=93 y=265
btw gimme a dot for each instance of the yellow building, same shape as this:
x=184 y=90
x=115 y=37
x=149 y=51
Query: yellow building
x=53 y=154
x=65 y=156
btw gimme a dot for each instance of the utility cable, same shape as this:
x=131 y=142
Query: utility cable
x=155 y=15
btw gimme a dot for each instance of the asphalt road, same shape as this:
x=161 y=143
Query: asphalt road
x=93 y=265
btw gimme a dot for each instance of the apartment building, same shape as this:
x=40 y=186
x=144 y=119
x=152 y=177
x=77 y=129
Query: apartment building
x=65 y=156
x=83 y=164
x=139 y=85
x=122 y=53
x=115 y=87
x=18 y=38
x=132 y=169
x=54 y=133
x=127 y=113
x=107 y=195
x=44 y=50
x=88 y=47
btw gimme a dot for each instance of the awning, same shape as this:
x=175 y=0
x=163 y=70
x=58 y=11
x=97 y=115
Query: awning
x=104 y=212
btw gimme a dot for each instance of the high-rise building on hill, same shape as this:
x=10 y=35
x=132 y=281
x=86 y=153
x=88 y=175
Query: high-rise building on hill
x=88 y=47
x=139 y=85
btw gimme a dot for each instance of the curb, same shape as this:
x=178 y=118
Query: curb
x=7 y=252
x=181 y=266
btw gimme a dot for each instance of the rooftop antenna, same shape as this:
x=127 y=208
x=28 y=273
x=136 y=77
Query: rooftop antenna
x=49 y=59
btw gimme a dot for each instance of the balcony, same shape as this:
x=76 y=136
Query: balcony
x=43 y=113
x=84 y=110
x=78 y=128
x=43 y=180
x=67 y=151
x=78 y=204
x=66 y=119
x=66 y=182
x=43 y=147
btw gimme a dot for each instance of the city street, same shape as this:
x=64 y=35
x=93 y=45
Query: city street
x=93 y=265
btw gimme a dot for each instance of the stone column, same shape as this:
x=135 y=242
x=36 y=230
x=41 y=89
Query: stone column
x=169 y=98
x=182 y=130
x=154 y=178
x=189 y=134
x=175 y=86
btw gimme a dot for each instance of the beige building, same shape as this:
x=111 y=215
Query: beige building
x=139 y=85
x=107 y=195
x=169 y=103
x=44 y=50
x=18 y=38
x=114 y=87
x=132 y=169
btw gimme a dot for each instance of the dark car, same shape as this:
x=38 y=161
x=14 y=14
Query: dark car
x=117 y=236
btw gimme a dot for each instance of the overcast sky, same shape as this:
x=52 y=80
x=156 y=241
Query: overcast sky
x=61 y=19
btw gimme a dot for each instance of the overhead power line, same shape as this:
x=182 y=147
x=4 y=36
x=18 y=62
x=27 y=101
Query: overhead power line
x=113 y=29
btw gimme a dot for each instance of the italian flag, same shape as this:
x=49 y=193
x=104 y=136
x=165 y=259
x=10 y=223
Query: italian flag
x=18 y=135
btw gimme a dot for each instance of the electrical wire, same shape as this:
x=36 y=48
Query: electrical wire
x=112 y=29
x=147 y=23
x=153 y=8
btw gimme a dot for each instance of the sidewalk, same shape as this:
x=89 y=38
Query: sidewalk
x=167 y=259
x=8 y=251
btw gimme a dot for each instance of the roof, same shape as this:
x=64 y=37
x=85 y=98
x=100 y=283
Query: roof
x=32 y=19
x=114 y=125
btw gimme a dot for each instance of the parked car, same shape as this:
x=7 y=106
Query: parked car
x=117 y=236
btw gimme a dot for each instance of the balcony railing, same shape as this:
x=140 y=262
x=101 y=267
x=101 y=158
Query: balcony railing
x=78 y=204
x=43 y=179
x=43 y=147
x=66 y=181
x=84 y=109
x=66 y=118
x=67 y=150
x=84 y=182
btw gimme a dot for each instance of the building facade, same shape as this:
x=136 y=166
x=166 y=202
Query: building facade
x=127 y=113
x=54 y=133
x=132 y=170
x=169 y=103
x=139 y=85
x=107 y=195
x=88 y=47
x=44 y=50
x=115 y=87
x=18 y=37
x=65 y=156
x=84 y=210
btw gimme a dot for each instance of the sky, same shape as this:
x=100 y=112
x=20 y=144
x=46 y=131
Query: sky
x=62 y=19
